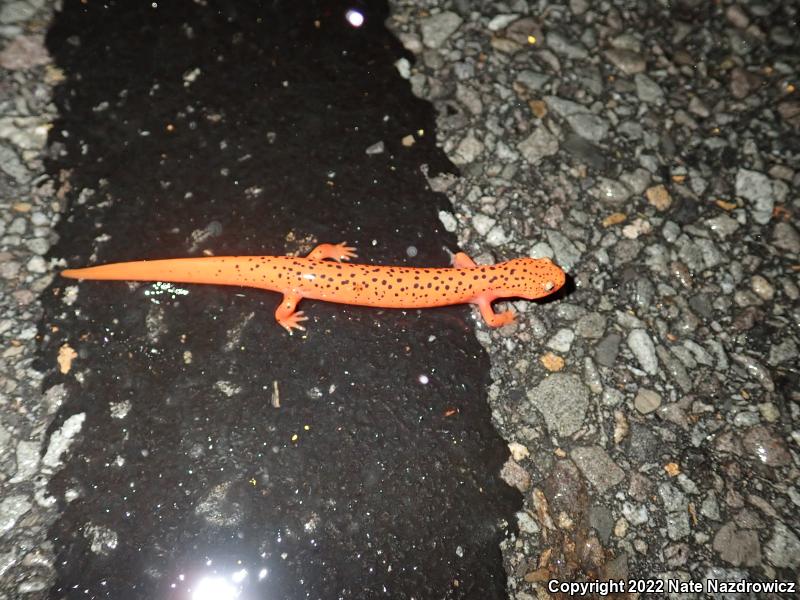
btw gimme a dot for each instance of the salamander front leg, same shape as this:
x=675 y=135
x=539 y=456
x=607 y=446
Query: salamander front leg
x=286 y=316
x=337 y=252
x=462 y=261
x=492 y=318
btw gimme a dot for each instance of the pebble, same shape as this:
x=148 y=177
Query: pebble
x=483 y=223
x=568 y=48
x=782 y=351
x=648 y=90
x=538 y=145
x=62 y=439
x=562 y=399
x=598 y=467
x=627 y=61
x=436 y=29
x=659 y=197
x=591 y=326
x=647 y=401
x=757 y=188
x=607 y=350
x=27 y=461
x=723 y=225
x=448 y=221
x=24 y=52
x=12 y=165
x=562 y=340
x=376 y=148
x=739 y=547
x=783 y=548
x=762 y=287
x=764 y=446
x=642 y=347
x=36 y=264
x=698 y=107
x=566 y=252
x=611 y=191
x=16 y=12
x=786 y=237
x=755 y=369
x=468 y=150
x=12 y=507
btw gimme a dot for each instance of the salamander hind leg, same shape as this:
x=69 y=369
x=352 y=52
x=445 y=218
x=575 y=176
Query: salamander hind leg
x=337 y=252
x=462 y=261
x=286 y=315
x=492 y=318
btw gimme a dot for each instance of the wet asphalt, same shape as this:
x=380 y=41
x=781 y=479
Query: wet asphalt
x=217 y=452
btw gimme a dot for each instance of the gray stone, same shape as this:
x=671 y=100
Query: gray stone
x=591 y=326
x=437 y=28
x=12 y=165
x=783 y=548
x=27 y=461
x=598 y=467
x=468 y=150
x=737 y=546
x=562 y=399
x=538 y=145
x=644 y=350
x=483 y=223
x=723 y=225
x=588 y=125
x=648 y=90
x=24 y=52
x=607 y=350
x=646 y=401
x=710 y=507
x=611 y=191
x=673 y=498
x=566 y=253
x=757 y=189
x=16 y=12
x=469 y=98
x=786 y=237
x=783 y=351
x=62 y=439
x=766 y=447
x=561 y=45
x=562 y=340
x=677 y=525
x=11 y=509
x=627 y=61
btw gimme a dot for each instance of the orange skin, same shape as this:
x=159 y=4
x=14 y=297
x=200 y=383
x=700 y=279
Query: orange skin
x=363 y=285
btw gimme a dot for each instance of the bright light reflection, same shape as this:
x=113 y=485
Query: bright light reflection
x=215 y=588
x=239 y=576
x=355 y=18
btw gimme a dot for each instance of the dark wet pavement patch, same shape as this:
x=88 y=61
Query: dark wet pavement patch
x=358 y=459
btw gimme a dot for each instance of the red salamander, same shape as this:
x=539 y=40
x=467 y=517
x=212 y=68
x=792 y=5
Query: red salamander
x=323 y=276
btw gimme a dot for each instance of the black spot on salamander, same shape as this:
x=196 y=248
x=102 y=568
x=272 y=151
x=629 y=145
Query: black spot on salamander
x=383 y=282
x=345 y=282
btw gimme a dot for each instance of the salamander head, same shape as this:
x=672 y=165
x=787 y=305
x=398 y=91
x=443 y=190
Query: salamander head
x=533 y=278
